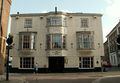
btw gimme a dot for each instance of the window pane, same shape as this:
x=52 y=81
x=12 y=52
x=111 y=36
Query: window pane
x=56 y=41
x=54 y=21
x=32 y=41
x=64 y=41
x=26 y=62
x=84 y=22
x=64 y=22
x=48 y=41
x=27 y=40
x=84 y=40
x=86 y=62
x=28 y=23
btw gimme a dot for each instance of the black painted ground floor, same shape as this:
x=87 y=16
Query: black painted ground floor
x=55 y=64
x=47 y=70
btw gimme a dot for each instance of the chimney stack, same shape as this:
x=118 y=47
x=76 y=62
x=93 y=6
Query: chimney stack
x=55 y=10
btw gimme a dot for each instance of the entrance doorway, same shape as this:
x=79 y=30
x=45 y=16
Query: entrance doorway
x=56 y=64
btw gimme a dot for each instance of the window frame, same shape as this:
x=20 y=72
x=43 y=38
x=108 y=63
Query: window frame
x=30 y=45
x=26 y=62
x=56 y=21
x=28 y=23
x=86 y=64
x=50 y=43
x=84 y=22
x=85 y=40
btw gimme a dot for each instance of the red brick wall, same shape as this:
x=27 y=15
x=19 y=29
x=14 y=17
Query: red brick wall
x=5 y=17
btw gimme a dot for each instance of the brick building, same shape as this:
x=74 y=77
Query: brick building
x=4 y=15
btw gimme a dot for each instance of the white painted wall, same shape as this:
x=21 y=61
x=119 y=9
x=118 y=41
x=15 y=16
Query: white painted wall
x=73 y=25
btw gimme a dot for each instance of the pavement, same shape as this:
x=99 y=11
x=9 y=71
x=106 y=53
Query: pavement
x=23 y=77
x=108 y=79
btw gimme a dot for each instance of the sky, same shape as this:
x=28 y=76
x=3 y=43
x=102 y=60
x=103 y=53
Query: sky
x=108 y=8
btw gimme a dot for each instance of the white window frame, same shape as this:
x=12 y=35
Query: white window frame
x=31 y=43
x=24 y=64
x=85 y=40
x=81 y=63
x=84 y=22
x=28 y=23
x=56 y=21
x=50 y=44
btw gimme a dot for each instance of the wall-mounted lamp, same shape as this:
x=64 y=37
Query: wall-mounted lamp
x=98 y=44
x=97 y=62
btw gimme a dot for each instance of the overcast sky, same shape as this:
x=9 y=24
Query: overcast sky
x=109 y=8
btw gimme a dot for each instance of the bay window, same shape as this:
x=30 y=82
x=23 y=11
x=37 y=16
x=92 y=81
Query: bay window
x=56 y=21
x=56 y=41
x=85 y=40
x=27 y=40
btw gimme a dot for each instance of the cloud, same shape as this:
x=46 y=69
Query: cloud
x=44 y=11
x=112 y=10
x=111 y=16
x=109 y=1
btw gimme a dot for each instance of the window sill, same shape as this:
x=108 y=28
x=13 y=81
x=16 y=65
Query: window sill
x=57 y=49
x=86 y=68
x=85 y=49
x=56 y=26
x=27 y=51
x=26 y=68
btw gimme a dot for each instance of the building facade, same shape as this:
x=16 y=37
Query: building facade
x=114 y=52
x=4 y=15
x=56 y=42
x=106 y=52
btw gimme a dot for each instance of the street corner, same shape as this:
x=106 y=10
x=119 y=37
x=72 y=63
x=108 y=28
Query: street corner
x=108 y=79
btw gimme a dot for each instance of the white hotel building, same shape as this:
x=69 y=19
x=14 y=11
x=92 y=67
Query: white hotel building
x=57 y=42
